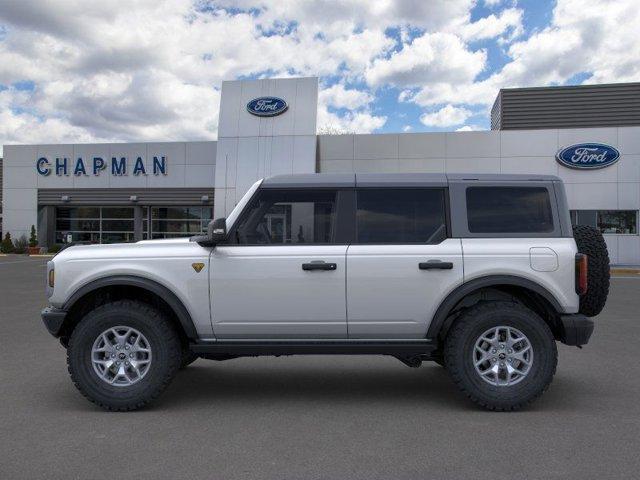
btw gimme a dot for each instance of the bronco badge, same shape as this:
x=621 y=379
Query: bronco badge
x=197 y=267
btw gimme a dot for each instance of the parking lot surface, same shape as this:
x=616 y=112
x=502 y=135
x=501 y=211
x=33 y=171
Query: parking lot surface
x=316 y=417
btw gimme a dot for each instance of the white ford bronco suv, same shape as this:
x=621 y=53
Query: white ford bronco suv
x=479 y=273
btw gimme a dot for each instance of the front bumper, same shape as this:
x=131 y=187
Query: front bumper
x=576 y=329
x=53 y=319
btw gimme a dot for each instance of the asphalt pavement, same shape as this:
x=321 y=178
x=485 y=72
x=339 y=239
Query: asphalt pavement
x=315 y=417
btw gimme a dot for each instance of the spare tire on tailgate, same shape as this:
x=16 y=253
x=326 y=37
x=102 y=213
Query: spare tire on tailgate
x=591 y=242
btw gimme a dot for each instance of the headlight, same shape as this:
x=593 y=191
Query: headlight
x=52 y=278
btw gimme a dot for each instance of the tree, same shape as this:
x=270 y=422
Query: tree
x=33 y=237
x=331 y=129
x=20 y=244
x=7 y=244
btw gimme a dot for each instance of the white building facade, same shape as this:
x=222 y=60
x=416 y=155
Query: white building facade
x=126 y=192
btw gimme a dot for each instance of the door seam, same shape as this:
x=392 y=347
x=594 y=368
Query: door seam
x=346 y=297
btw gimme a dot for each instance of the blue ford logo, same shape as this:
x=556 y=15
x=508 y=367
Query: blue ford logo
x=588 y=156
x=267 y=106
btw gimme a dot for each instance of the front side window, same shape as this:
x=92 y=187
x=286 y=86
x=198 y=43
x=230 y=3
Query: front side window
x=278 y=217
x=401 y=215
x=509 y=210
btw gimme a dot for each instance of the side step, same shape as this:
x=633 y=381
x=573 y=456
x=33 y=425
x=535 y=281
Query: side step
x=242 y=348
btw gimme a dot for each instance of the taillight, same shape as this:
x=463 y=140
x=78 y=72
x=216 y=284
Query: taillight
x=581 y=273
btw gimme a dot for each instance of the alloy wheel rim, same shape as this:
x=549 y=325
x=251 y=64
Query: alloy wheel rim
x=502 y=356
x=121 y=356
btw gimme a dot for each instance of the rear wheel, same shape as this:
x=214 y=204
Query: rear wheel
x=122 y=355
x=501 y=355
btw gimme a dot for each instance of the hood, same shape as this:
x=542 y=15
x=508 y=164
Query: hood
x=165 y=241
x=163 y=248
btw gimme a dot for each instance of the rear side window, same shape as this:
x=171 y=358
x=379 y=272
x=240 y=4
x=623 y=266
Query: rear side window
x=509 y=210
x=389 y=215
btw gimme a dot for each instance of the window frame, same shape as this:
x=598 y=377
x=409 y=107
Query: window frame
x=459 y=214
x=445 y=205
x=342 y=223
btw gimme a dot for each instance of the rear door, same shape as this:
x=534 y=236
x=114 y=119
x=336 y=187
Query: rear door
x=282 y=274
x=402 y=263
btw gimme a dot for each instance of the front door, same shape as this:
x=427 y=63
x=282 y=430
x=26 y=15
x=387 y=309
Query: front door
x=282 y=273
x=402 y=264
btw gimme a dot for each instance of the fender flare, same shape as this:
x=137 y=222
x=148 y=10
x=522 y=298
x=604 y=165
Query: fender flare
x=440 y=317
x=152 y=286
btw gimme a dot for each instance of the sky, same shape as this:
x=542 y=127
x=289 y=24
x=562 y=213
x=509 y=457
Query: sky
x=74 y=71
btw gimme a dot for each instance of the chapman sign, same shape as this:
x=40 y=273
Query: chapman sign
x=588 y=156
x=118 y=166
x=267 y=106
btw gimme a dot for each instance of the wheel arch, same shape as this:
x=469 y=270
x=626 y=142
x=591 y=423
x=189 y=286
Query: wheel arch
x=150 y=289
x=510 y=284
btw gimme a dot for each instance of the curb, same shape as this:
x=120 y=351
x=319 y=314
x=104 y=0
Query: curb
x=625 y=271
x=26 y=255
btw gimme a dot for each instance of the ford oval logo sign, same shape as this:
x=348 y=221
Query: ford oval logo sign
x=267 y=106
x=588 y=156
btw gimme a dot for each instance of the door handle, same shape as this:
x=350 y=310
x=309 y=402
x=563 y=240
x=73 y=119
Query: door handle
x=435 y=265
x=319 y=265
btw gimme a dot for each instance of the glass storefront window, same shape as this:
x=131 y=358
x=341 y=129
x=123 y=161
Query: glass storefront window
x=623 y=222
x=172 y=222
x=94 y=224
x=116 y=224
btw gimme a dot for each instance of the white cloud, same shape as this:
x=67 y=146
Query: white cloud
x=447 y=116
x=597 y=38
x=469 y=128
x=407 y=128
x=331 y=15
x=509 y=22
x=340 y=97
x=151 y=70
x=358 y=122
x=433 y=57
x=357 y=119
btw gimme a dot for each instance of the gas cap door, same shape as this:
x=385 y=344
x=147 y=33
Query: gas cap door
x=543 y=259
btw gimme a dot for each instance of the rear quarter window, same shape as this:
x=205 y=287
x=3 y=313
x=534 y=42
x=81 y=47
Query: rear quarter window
x=495 y=209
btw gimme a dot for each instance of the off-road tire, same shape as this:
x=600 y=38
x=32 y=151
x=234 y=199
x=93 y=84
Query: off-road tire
x=460 y=342
x=591 y=242
x=188 y=357
x=162 y=337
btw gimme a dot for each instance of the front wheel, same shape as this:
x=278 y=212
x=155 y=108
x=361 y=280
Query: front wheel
x=501 y=355
x=122 y=355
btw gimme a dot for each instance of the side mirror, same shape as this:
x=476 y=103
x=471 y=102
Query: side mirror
x=217 y=230
x=216 y=233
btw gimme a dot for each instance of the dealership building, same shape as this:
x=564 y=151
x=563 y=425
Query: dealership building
x=587 y=135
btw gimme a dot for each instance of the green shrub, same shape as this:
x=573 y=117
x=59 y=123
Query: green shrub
x=7 y=244
x=33 y=237
x=55 y=248
x=20 y=244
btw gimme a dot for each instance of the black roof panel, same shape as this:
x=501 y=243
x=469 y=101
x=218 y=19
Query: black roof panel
x=345 y=180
